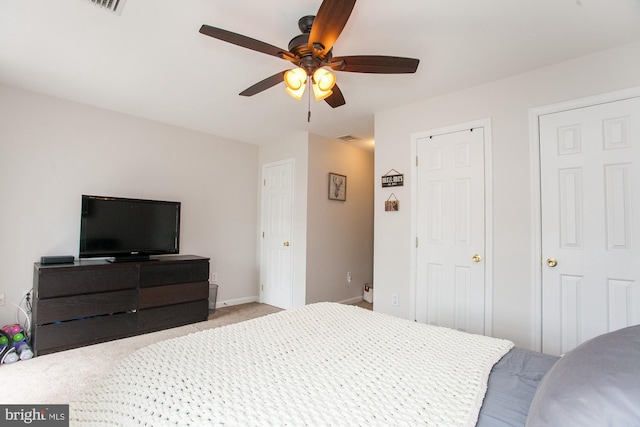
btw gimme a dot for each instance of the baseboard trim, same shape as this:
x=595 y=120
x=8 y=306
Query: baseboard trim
x=238 y=301
x=247 y=300
x=353 y=300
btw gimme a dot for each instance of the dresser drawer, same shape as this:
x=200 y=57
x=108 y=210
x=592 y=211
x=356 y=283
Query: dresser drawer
x=157 y=296
x=170 y=316
x=166 y=273
x=80 y=306
x=56 y=282
x=76 y=333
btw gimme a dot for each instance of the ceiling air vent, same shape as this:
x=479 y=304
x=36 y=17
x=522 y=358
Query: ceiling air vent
x=349 y=138
x=114 y=6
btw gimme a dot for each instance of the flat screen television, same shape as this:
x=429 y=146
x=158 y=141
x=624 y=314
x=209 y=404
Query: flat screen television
x=122 y=229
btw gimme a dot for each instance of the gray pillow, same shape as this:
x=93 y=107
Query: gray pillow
x=595 y=384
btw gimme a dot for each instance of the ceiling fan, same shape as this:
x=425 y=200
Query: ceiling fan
x=311 y=52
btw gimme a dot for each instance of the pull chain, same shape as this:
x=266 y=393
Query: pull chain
x=309 y=97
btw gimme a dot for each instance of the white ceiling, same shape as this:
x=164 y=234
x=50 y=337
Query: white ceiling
x=152 y=62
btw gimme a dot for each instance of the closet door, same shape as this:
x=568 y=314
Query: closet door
x=450 y=283
x=590 y=206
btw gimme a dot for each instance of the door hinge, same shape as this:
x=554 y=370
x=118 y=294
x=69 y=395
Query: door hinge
x=416 y=161
x=263 y=234
x=416 y=241
x=264 y=182
x=262 y=287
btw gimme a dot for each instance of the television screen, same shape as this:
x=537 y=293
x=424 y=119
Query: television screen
x=128 y=229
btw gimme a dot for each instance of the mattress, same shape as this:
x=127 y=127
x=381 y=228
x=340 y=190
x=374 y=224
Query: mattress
x=322 y=364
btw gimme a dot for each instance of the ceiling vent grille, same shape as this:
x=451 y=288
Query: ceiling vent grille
x=349 y=138
x=114 y=6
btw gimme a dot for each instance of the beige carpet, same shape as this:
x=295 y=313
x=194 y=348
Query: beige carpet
x=55 y=378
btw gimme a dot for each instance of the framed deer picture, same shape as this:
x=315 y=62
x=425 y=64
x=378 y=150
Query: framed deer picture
x=337 y=187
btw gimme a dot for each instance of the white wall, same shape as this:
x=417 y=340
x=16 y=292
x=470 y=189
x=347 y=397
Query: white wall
x=507 y=103
x=52 y=151
x=340 y=234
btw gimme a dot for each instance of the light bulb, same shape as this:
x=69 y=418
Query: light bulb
x=295 y=81
x=324 y=79
x=320 y=94
x=295 y=94
x=323 y=82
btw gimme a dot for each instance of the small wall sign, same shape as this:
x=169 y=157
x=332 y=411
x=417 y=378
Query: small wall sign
x=392 y=204
x=392 y=180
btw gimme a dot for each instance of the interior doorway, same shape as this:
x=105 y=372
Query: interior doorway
x=276 y=277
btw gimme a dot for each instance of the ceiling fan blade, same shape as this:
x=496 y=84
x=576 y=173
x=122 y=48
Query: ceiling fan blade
x=264 y=84
x=328 y=24
x=336 y=99
x=375 y=64
x=244 y=41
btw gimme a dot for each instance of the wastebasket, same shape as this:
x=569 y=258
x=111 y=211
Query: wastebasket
x=213 y=295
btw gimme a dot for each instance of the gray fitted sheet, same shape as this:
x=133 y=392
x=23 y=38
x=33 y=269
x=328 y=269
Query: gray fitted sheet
x=512 y=384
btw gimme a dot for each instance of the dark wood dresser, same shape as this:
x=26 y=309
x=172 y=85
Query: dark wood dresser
x=93 y=301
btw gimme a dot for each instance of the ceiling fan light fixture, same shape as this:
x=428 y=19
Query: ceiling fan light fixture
x=323 y=82
x=295 y=81
x=295 y=94
x=320 y=94
x=324 y=79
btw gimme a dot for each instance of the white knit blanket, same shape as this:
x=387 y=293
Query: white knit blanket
x=323 y=364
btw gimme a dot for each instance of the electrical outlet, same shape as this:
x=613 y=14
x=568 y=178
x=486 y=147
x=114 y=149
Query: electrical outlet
x=394 y=299
x=348 y=277
x=214 y=278
x=1 y=299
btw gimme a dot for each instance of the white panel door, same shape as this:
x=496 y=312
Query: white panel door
x=276 y=272
x=590 y=201
x=450 y=286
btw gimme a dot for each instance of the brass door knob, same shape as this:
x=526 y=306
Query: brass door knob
x=552 y=262
x=286 y=243
x=476 y=258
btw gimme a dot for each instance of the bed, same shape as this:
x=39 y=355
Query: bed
x=333 y=364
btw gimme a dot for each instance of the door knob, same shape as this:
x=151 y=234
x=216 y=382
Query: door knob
x=476 y=258
x=286 y=243
x=552 y=262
